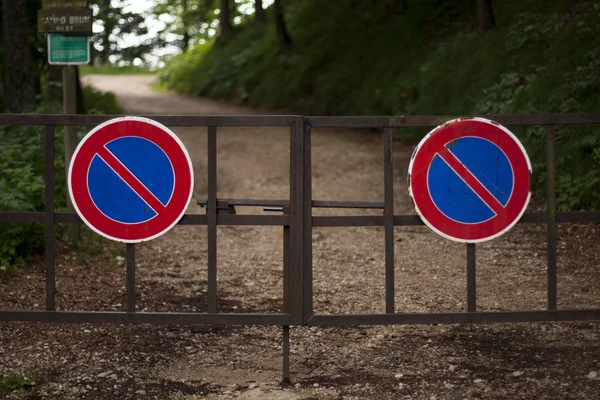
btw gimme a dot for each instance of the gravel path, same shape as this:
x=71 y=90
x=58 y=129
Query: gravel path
x=444 y=362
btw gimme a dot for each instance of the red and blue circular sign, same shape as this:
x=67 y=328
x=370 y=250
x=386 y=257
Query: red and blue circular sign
x=469 y=180
x=130 y=179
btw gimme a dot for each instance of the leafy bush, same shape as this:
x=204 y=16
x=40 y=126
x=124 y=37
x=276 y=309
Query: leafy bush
x=22 y=185
x=98 y=102
x=368 y=58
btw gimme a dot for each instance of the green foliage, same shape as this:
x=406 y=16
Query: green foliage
x=352 y=57
x=116 y=22
x=22 y=185
x=98 y=102
x=177 y=76
x=16 y=382
x=186 y=19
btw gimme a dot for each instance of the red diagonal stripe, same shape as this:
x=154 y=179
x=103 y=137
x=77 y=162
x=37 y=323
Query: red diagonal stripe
x=130 y=179
x=472 y=181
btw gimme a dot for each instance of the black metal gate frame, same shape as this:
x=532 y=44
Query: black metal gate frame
x=297 y=222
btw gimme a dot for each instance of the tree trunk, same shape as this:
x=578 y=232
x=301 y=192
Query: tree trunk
x=79 y=92
x=404 y=5
x=186 y=33
x=2 y=97
x=225 y=19
x=486 y=14
x=285 y=40
x=260 y=11
x=186 y=41
x=104 y=59
x=19 y=90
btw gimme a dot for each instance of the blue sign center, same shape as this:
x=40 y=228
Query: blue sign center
x=457 y=200
x=114 y=197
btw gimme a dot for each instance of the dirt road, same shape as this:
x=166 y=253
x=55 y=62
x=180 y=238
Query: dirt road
x=444 y=362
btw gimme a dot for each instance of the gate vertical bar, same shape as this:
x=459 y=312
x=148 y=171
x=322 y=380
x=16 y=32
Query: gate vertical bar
x=211 y=210
x=551 y=213
x=286 y=301
x=49 y=251
x=471 y=278
x=286 y=264
x=130 y=279
x=286 y=354
x=389 y=221
x=296 y=219
x=307 y=264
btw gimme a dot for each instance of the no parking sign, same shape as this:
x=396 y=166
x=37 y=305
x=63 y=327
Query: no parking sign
x=130 y=179
x=469 y=180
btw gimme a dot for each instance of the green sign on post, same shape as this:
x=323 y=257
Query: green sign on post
x=68 y=50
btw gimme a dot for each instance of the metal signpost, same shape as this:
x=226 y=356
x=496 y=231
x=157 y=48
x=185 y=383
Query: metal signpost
x=68 y=24
x=130 y=179
x=469 y=180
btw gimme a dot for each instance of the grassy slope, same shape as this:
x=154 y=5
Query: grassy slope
x=354 y=57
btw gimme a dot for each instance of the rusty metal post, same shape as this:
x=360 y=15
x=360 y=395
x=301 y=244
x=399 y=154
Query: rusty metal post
x=307 y=291
x=130 y=276
x=49 y=250
x=471 y=278
x=296 y=217
x=286 y=299
x=286 y=355
x=389 y=221
x=286 y=264
x=551 y=214
x=211 y=211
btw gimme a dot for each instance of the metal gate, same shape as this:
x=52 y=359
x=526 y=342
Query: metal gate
x=297 y=222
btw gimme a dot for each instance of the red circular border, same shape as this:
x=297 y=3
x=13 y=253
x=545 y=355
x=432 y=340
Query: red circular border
x=157 y=134
x=435 y=142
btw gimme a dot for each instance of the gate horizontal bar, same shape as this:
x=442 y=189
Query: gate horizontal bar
x=578 y=216
x=193 y=219
x=362 y=220
x=67 y=218
x=172 y=120
x=572 y=217
x=22 y=217
x=415 y=220
x=319 y=221
x=115 y=317
x=452 y=318
x=431 y=121
x=257 y=220
x=347 y=204
x=222 y=203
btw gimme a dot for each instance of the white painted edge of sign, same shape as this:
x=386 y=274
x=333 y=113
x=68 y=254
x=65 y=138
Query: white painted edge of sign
x=68 y=63
x=158 y=125
x=410 y=192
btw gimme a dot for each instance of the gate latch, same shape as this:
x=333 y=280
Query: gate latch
x=223 y=207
